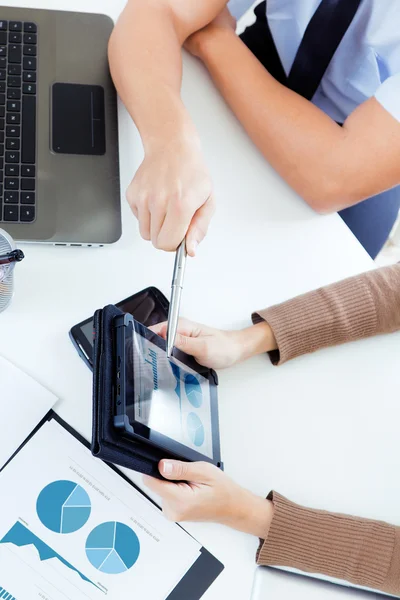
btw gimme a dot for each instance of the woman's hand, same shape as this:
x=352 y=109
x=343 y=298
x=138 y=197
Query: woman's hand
x=219 y=349
x=224 y=21
x=209 y=495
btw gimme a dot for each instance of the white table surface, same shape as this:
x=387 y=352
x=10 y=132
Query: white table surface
x=323 y=429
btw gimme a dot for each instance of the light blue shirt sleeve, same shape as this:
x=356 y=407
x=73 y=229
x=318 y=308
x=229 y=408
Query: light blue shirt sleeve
x=388 y=94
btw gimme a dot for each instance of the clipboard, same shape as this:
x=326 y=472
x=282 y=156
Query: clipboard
x=203 y=571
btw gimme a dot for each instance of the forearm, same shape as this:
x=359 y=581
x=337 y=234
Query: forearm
x=146 y=66
x=361 y=551
x=349 y=310
x=310 y=151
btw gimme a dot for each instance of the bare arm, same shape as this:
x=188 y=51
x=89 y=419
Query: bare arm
x=331 y=167
x=146 y=65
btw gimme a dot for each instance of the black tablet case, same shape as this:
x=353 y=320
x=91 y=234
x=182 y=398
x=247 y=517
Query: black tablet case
x=107 y=442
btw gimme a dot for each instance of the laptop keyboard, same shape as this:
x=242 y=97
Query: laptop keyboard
x=18 y=68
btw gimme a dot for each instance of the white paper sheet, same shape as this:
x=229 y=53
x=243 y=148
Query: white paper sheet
x=23 y=404
x=72 y=528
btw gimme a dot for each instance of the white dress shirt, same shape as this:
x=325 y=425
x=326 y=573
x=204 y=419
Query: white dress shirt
x=366 y=64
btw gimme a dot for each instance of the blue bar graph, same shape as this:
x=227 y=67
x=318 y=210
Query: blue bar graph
x=6 y=595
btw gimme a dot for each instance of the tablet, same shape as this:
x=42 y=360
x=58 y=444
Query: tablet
x=169 y=403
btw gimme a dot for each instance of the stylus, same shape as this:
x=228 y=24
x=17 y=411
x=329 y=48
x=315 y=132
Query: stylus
x=176 y=292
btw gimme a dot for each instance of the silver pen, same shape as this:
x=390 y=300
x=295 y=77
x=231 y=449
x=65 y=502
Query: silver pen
x=176 y=292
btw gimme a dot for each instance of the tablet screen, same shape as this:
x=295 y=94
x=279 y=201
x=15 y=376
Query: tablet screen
x=167 y=396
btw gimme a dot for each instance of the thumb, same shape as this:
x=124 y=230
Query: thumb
x=199 y=225
x=190 y=345
x=177 y=470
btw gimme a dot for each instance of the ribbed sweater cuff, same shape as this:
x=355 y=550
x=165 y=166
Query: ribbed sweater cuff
x=360 y=551
x=339 y=313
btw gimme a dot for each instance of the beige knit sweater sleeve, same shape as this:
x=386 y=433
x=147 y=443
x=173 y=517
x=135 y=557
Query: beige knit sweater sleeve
x=361 y=551
x=358 y=307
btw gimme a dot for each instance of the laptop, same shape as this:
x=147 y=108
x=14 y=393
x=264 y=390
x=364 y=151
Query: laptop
x=58 y=129
x=275 y=584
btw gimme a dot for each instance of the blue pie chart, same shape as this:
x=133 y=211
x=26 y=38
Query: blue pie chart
x=193 y=390
x=112 y=548
x=63 y=506
x=195 y=429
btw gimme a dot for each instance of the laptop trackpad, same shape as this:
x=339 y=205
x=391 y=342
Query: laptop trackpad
x=78 y=119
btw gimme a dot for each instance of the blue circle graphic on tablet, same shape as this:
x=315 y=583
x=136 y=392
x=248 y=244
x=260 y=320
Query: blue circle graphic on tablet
x=195 y=429
x=193 y=390
x=112 y=548
x=63 y=506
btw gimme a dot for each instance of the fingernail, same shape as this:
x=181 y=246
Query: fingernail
x=167 y=467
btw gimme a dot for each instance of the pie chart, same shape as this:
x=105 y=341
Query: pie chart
x=63 y=506
x=195 y=429
x=112 y=548
x=193 y=390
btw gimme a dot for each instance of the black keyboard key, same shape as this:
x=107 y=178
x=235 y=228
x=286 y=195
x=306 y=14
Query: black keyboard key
x=1 y=163
x=1 y=138
x=2 y=111
x=14 y=81
x=3 y=74
x=2 y=87
x=29 y=50
x=1 y=149
x=29 y=76
x=15 y=26
x=13 y=106
x=3 y=50
x=29 y=63
x=30 y=27
x=12 y=157
x=3 y=25
x=27 y=171
x=11 y=212
x=1 y=176
x=15 y=53
x=2 y=98
x=27 y=214
x=1 y=123
x=12 y=170
x=29 y=88
x=13 y=118
x=13 y=131
x=28 y=129
x=12 y=144
x=27 y=184
x=15 y=38
x=3 y=62
x=3 y=38
x=14 y=69
x=11 y=197
x=14 y=94
x=11 y=183
x=30 y=38
x=27 y=197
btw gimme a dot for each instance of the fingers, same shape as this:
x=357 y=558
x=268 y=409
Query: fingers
x=160 y=329
x=196 y=472
x=199 y=226
x=161 y=488
x=144 y=221
x=185 y=328
x=175 y=225
x=193 y=346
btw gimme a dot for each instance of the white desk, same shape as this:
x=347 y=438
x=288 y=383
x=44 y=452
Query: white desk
x=311 y=429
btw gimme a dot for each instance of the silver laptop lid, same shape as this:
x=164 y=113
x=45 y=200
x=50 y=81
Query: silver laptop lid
x=77 y=181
